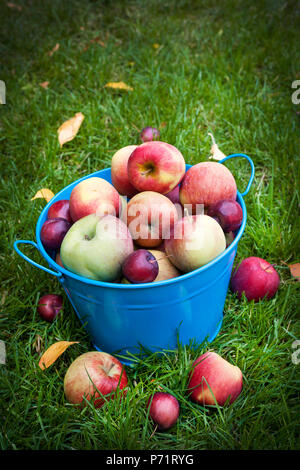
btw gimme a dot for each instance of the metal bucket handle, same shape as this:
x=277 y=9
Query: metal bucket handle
x=29 y=242
x=235 y=155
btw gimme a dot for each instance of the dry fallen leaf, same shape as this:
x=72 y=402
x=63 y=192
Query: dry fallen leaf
x=44 y=84
x=53 y=352
x=37 y=345
x=55 y=48
x=43 y=193
x=14 y=6
x=2 y=352
x=118 y=86
x=295 y=270
x=216 y=153
x=68 y=130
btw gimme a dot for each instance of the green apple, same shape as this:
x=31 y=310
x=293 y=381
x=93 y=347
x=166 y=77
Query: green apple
x=96 y=247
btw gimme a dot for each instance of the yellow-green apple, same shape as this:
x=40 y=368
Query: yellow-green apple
x=96 y=247
x=213 y=380
x=256 y=278
x=207 y=183
x=92 y=376
x=166 y=270
x=195 y=241
x=150 y=218
x=94 y=196
x=156 y=166
x=119 y=175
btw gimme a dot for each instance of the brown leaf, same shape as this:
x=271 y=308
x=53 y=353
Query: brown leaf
x=216 y=153
x=69 y=129
x=295 y=270
x=97 y=40
x=118 y=86
x=55 y=48
x=37 y=345
x=53 y=352
x=14 y=6
x=44 y=193
x=44 y=84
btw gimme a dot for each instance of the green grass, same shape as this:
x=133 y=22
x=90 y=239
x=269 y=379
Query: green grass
x=222 y=67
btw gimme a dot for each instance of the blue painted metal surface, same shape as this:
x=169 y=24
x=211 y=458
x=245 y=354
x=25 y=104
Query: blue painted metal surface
x=126 y=318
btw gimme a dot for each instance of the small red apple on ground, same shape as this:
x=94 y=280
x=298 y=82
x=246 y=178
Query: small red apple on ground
x=49 y=306
x=60 y=209
x=164 y=410
x=256 y=278
x=91 y=371
x=156 y=166
x=214 y=380
x=207 y=183
x=53 y=232
x=119 y=175
x=149 y=133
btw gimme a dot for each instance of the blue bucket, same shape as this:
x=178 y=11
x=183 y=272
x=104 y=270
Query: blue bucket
x=126 y=319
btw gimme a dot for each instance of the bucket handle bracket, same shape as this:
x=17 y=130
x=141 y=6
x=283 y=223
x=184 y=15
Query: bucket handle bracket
x=235 y=155
x=29 y=242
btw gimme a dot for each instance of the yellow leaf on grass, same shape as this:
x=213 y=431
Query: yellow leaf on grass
x=118 y=86
x=44 y=84
x=69 y=129
x=216 y=153
x=295 y=270
x=53 y=352
x=156 y=46
x=55 y=48
x=43 y=193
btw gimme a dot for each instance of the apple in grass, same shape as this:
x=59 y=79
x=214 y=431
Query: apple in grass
x=155 y=166
x=256 y=278
x=119 y=175
x=150 y=218
x=96 y=247
x=207 y=183
x=93 y=375
x=195 y=241
x=163 y=409
x=213 y=380
x=94 y=196
x=49 y=306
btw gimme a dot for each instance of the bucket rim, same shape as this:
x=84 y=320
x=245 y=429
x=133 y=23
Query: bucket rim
x=146 y=285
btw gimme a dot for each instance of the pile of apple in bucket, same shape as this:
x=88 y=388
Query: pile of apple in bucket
x=154 y=222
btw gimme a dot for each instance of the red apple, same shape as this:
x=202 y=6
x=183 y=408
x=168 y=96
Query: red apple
x=207 y=183
x=49 y=306
x=213 y=380
x=53 y=232
x=195 y=240
x=119 y=175
x=164 y=410
x=156 y=166
x=256 y=278
x=94 y=196
x=60 y=209
x=149 y=133
x=228 y=213
x=91 y=373
x=150 y=218
x=174 y=195
x=140 y=266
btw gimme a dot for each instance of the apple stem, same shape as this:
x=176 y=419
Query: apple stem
x=144 y=173
x=158 y=259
